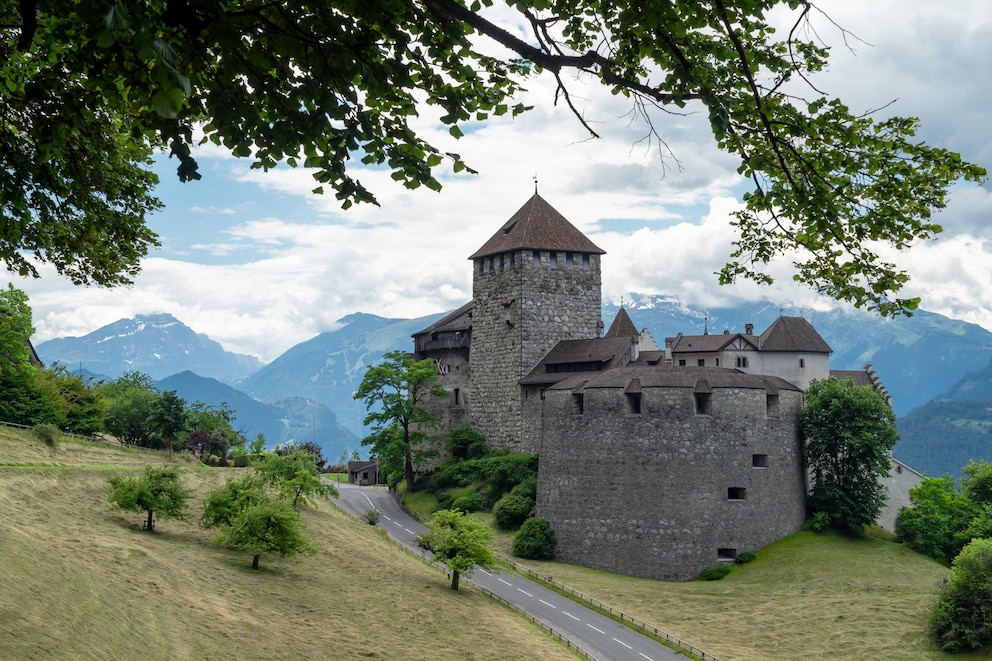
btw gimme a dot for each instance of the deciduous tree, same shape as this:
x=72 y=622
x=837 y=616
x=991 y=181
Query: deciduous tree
x=130 y=399
x=936 y=523
x=335 y=85
x=157 y=490
x=849 y=433
x=294 y=476
x=16 y=329
x=394 y=392
x=167 y=418
x=223 y=505
x=459 y=541
x=270 y=526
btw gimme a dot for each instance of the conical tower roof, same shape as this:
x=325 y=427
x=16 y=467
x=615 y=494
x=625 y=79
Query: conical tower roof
x=622 y=326
x=537 y=226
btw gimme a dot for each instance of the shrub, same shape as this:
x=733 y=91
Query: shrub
x=47 y=434
x=503 y=472
x=444 y=499
x=371 y=517
x=465 y=443
x=527 y=487
x=512 y=510
x=535 y=540
x=819 y=522
x=744 y=558
x=714 y=573
x=480 y=501
x=959 y=619
x=463 y=503
x=244 y=460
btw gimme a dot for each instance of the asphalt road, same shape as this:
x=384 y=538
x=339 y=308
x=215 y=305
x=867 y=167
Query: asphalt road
x=599 y=636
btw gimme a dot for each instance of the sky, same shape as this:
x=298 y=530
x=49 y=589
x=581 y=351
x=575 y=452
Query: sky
x=259 y=263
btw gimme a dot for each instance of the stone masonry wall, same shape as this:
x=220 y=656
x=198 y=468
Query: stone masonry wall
x=665 y=493
x=521 y=310
x=453 y=410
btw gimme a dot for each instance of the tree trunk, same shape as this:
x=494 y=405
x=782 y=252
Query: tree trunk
x=254 y=562
x=408 y=469
x=150 y=524
x=454 y=580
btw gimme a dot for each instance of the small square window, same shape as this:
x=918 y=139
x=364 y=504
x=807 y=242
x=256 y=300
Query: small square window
x=736 y=493
x=726 y=555
x=701 y=362
x=703 y=403
x=578 y=405
x=759 y=460
x=634 y=403
x=681 y=363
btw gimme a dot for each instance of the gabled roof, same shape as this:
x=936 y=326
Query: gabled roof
x=708 y=343
x=537 y=226
x=622 y=326
x=792 y=334
x=786 y=334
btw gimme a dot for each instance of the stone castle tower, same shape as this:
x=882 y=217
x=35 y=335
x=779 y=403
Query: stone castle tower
x=536 y=282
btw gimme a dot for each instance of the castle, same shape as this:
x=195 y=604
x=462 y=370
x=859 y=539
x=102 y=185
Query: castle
x=655 y=461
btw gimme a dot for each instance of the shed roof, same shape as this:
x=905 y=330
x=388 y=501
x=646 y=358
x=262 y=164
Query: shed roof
x=609 y=352
x=537 y=226
x=459 y=320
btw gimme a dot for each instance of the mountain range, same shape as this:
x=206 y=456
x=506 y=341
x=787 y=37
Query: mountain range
x=306 y=393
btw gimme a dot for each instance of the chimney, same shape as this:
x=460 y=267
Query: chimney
x=749 y=329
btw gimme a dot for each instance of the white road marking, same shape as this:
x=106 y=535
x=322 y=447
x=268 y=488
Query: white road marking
x=595 y=629
x=646 y=656
x=504 y=582
x=623 y=643
x=525 y=592
x=409 y=531
x=571 y=616
x=483 y=571
x=547 y=604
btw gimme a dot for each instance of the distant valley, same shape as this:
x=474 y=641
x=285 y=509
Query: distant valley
x=306 y=393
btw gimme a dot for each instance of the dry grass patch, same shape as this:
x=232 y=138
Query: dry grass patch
x=79 y=580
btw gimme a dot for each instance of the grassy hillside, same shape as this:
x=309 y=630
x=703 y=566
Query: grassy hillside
x=864 y=599
x=80 y=581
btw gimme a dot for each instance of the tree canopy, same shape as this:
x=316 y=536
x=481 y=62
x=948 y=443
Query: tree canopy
x=849 y=432
x=157 y=490
x=335 y=86
x=16 y=329
x=265 y=527
x=394 y=391
x=459 y=541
